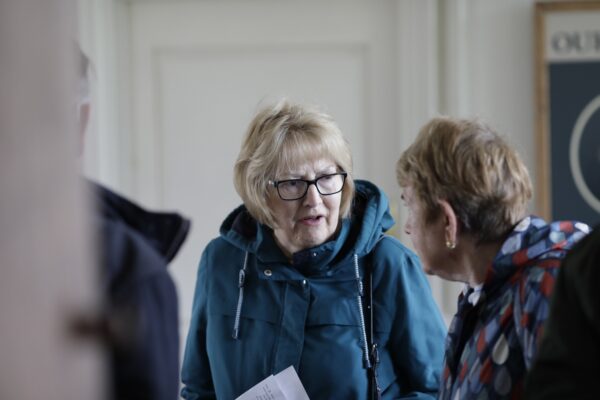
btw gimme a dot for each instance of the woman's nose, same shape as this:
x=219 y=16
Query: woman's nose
x=313 y=197
x=407 y=228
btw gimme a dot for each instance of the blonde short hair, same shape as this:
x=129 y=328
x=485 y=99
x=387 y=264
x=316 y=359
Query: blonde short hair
x=466 y=163
x=280 y=138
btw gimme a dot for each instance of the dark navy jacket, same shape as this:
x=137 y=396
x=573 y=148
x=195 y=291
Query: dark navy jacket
x=141 y=300
x=568 y=360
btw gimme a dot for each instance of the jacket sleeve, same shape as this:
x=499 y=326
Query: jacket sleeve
x=418 y=330
x=195 y=373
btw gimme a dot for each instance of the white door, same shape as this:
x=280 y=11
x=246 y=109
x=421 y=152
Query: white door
x=201 y=69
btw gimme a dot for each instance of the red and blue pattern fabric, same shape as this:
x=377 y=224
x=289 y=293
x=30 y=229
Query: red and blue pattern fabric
x=493 y=337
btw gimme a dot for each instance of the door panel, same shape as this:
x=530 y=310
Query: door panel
x=200 y=70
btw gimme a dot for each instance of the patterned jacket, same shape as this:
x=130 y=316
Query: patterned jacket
x=493 y=336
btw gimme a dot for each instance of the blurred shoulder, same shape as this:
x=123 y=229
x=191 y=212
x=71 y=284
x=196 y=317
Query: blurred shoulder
x=126 y=256
x=220 y=252
x=581 y=267
x=392 y=257
x=223 y=246
x=217 y=244
x=586 y=249
x=391 y=248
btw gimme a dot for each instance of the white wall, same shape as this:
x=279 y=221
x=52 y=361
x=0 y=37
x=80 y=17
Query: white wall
x=486 y=70
x=457 y=57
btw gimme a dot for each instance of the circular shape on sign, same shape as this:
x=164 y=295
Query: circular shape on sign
x=588 y=195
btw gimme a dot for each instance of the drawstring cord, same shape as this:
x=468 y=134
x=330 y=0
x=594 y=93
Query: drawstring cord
x=238 y=311
x=359 y=284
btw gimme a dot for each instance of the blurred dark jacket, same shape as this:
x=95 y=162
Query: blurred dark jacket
x=568 y=360
x=141 y=299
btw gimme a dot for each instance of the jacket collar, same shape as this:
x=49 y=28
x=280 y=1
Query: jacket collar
x=532 y=239
x=165 y=232
x=370 y=218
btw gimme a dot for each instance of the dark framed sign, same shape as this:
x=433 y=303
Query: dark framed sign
x=568 y=108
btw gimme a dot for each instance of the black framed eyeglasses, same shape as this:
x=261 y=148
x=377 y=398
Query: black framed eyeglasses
x=294 y=189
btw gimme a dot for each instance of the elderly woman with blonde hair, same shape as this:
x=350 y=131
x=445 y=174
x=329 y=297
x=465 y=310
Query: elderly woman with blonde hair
x=289 y=282
x=467 y=192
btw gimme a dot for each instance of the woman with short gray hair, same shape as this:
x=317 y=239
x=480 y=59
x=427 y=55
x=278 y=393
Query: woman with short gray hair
x=467 y=191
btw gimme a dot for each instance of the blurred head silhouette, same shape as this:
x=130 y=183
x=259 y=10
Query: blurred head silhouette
x=83 y=96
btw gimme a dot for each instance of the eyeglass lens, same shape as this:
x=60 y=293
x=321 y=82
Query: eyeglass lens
x=293 y=189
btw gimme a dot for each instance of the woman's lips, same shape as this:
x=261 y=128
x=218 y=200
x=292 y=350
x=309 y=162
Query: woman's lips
x=312 y=220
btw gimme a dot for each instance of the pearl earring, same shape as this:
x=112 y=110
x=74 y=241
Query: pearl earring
x=450 y=244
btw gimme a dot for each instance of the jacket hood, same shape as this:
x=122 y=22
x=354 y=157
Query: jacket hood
x=534 y=239
x=165 y=232
x=370 y=218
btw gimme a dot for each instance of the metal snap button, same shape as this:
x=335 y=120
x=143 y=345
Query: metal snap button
x=268 y=272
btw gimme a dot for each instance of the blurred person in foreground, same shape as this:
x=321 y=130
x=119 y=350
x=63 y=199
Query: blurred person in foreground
x=284 y=284
x=466 y=192
x=140 y=320
x=568 y=361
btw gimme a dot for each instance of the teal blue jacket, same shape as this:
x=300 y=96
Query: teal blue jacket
x=276 y=313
